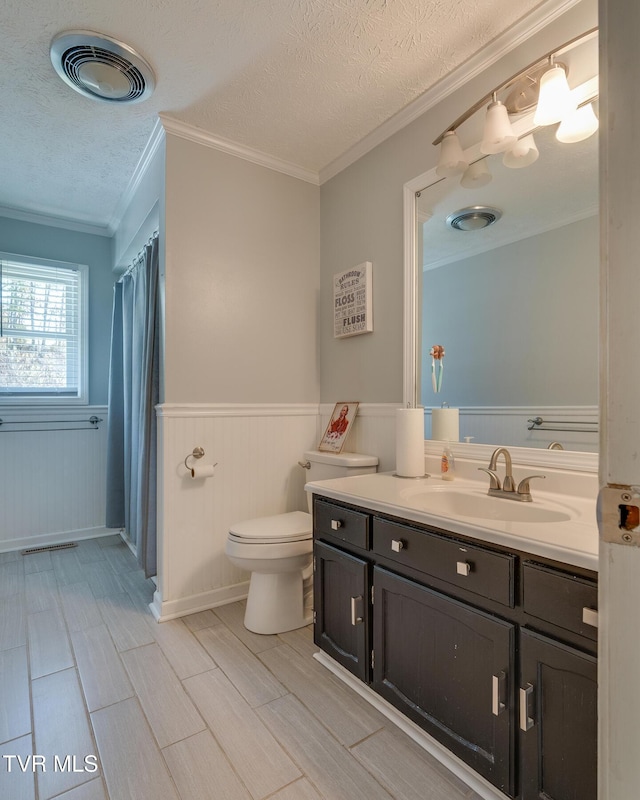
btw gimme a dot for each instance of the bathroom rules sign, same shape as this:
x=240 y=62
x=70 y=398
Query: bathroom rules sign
x=352 y=301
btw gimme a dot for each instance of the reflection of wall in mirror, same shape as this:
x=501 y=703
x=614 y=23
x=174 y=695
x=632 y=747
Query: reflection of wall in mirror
x=519 y=322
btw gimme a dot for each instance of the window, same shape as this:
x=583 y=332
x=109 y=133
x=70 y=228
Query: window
x=43 y=330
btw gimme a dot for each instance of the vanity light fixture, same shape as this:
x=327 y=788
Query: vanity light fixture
x=554 y=100
x=452 y=161
x=476 y=175
x=522 y=153
x=579 y=125
x=498 y=133
x=541 y=86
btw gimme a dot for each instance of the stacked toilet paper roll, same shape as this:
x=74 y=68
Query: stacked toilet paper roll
x=445 y=424
x=410 y=442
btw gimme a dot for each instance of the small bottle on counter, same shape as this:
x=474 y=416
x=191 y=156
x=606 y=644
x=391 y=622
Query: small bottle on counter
x=447 y=464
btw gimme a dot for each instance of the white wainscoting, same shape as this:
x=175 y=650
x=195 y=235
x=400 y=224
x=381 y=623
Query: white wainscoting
x=256 y=448
x=52 y=482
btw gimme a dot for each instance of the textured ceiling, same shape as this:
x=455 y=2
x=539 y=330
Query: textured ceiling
x=301 y=80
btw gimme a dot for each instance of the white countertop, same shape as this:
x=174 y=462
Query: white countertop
x=573 y=542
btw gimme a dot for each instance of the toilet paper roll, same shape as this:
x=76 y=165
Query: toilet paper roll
x=202 y=471
x=410 y=442
x=445 y=424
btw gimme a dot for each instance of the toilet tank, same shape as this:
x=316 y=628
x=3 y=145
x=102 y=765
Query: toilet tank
x=323 y=466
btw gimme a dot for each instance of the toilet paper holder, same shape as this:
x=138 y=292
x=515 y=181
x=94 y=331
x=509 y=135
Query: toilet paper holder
x=197 y=453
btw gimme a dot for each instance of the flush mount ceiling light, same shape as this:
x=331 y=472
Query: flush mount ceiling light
x=473 y=218
x=543 y=86
x=101 y=68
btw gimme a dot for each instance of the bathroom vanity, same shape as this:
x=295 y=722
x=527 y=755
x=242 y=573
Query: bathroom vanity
x=481 y=631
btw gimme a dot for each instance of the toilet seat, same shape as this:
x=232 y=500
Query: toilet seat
x=295 y=526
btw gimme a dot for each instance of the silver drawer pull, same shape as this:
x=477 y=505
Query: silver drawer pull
x=397 y=545
x=526 y=722
x=336 y=524
x=463 y=568
x=498 y=686
x=590 y=616
x=355 y=619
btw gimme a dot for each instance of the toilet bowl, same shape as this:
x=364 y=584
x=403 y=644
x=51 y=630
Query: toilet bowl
x=278 y=552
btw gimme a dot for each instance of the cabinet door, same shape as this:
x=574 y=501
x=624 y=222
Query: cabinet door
x=558 y=720
x=448 y=667
x=341 y=603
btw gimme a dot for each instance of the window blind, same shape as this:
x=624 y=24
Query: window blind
x=40 y=329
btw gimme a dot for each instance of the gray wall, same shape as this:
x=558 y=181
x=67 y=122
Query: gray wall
x=59 y=244
x=520 y=323
x=361 y=220
x=241 y=281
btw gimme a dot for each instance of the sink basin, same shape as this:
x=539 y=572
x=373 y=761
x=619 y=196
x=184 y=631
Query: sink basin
x=478 y=504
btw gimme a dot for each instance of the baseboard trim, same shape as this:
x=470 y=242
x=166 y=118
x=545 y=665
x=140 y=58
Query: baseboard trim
x=455 y=765
x=172 y=609
x=60 y=537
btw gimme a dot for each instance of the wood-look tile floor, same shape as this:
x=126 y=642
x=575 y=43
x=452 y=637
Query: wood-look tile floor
x=116 y=707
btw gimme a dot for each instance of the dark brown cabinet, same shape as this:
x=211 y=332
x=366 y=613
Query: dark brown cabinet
x=448 y=667
x=342 y=609
x=488 y=650
x=558 y=700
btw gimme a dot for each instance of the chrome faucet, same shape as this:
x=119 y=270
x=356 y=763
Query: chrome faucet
x=507 y=489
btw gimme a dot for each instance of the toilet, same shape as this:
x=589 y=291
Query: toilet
x=278 y=551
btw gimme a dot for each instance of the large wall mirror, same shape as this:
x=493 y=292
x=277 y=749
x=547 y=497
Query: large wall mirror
x=515 y=304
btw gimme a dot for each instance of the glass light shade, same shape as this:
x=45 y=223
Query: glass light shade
x=476 y=175
x=554 y=101
x=498 y=133
x=452 y=161
x=578 y=126
x=522 y=153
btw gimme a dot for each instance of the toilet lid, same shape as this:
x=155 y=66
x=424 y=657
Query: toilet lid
x=292 y=527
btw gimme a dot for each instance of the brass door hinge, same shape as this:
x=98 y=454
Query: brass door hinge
x=618 y=513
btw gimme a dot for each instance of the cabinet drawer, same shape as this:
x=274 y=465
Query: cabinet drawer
x=475 y=569
x=560 y=598
x=341 y=523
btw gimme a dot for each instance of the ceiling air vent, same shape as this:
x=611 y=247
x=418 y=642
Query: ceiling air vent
x=101 y=68
x=473 y=218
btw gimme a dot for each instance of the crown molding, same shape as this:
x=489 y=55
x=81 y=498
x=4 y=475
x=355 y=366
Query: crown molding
x=193 y=134
x=153 y=143
x=54 y=221
x=486 y=57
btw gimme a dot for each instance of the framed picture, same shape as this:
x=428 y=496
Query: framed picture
x=352 y=301
x=338 y=428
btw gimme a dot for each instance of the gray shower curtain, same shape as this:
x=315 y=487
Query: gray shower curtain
x=133 y=395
